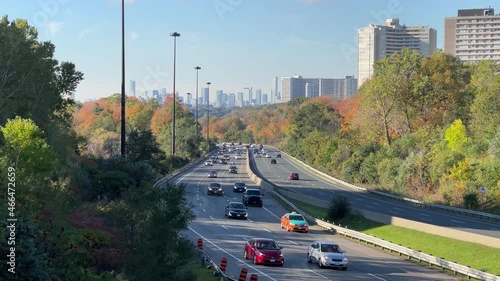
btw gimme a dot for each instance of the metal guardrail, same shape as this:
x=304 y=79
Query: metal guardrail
x=218 y=272
x=181 y=170
x=461 y=211
x=411 y=254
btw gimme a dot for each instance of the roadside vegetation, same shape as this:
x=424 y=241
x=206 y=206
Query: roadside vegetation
x=466 y=253
x=83 y=212
x=423 y=128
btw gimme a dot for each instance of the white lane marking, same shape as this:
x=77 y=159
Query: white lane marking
x=272 y=213
x=359 y=199
x=231 y=255
x=211 y=218
x=375 y=203
x=225 y=227
x=245 y=238
x=369 y=206
x=322 y=276
x=396 y=208
x=425 y=215
x=293 y=242
x=204 y=210
x=249 y=220
x=380 y=278
x=268 y=230
x=461 y=222
x=392 y=212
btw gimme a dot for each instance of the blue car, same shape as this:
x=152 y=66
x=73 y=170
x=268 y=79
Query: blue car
x=239 y=187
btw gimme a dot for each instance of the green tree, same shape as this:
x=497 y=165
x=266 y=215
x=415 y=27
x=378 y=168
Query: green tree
x=456 y=136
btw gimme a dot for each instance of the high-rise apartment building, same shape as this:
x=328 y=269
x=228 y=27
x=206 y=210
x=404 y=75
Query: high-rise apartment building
x=473 y=35
x=376 y=42
x=206 y=96
x=219 y=96
x=258 y=97
x=132 y=88
x=350 y=87
x=274 y=90
x=231 y=100
x=265 y=99
x=240 y=100
x=295 y=86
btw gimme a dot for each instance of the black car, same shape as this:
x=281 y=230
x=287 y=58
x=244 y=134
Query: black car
x=236 y=210
x=278 y=155
x=239 y=186
x=222 y=161
x=233 y=170
x=214 y=188
x=212 y=174
x=273 y=161
x=253 y=197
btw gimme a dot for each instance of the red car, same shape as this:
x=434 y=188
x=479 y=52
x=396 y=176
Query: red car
x=264 y=251
x=293 y=176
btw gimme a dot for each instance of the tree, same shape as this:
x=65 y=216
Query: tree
x=26 y=150
x=339 y=208
x=456 y=136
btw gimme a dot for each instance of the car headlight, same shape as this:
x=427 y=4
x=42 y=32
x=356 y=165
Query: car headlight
x=209 y=188
x=230 y=213
x=346 y=260
x=261 y=254
x=246 y=214
x=324 y=257
x=281 y=254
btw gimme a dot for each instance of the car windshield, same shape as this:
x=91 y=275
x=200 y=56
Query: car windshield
x=267 y=245
x=236 y=206
x=296 y=218
x=253 y=192
x=326 y=248
x=240 y=184
x=215 y=185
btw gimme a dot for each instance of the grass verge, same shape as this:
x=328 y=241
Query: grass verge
x=466 y=253
x=201 y=272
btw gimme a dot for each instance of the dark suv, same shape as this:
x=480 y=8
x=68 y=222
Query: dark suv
x=253 y=197
x=214 y=188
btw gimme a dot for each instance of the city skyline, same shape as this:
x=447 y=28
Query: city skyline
x=304 y=37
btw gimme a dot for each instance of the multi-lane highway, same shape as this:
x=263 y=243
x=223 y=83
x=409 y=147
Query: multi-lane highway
x=223 y=237
x=322 y=189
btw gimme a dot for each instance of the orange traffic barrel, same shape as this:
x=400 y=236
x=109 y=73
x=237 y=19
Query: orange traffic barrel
x=223 y=264
x=254 y=277
x=200 y=244
x=243 y=274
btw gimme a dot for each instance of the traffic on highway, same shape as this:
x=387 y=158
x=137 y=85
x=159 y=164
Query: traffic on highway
x=276 y=243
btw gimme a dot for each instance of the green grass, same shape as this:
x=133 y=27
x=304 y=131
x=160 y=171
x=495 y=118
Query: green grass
x=466 y=253
x=201 y=272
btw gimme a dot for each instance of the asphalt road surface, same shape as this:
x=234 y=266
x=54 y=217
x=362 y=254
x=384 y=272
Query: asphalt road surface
x=314 y=186
x=224 y=237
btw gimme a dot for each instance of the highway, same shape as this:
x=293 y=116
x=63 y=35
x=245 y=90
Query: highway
x=223 y=237
x=322 y=189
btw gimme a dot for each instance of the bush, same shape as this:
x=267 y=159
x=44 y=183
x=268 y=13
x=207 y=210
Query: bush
x=338 y=208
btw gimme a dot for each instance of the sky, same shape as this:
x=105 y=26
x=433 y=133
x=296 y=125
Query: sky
x=237 y=43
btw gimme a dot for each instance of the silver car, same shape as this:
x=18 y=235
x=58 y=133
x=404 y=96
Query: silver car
x=327 y=254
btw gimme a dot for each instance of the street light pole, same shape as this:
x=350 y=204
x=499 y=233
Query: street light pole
x=123 y=98
x=175 y=35
x=196 y=115
x=208 y=114
x=188 y=103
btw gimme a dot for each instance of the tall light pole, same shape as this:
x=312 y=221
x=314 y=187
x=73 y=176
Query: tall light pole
x=175 y=35
x=196 y=114
x=208 y=114
x=123 y=99
x=188 y=103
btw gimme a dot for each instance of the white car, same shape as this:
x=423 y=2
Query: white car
x=209 y=163
x=269 y=155
x=237 y=156
x=327 y=254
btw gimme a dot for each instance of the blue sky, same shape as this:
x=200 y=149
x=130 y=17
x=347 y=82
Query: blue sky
x=237 y=43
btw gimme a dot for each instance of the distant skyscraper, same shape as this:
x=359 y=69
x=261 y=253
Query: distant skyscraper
x=294 y=87
x=189 y=99
x=218 y=100
x=132 y=88
x=376 y=42
x=333 y=87
x=473 y=35
x=240 y=100
x=258 y=97
x=265 y=99
x=206 y=96
x=231 y=100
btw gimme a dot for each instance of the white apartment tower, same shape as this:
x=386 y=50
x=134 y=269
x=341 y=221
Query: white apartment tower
x=473 y=35
x=376 y=42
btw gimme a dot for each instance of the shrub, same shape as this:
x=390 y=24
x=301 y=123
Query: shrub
x=338 y=208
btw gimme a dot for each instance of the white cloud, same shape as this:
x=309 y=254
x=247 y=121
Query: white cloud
x=53 y=27
x=84 y=33
x=134 y=35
